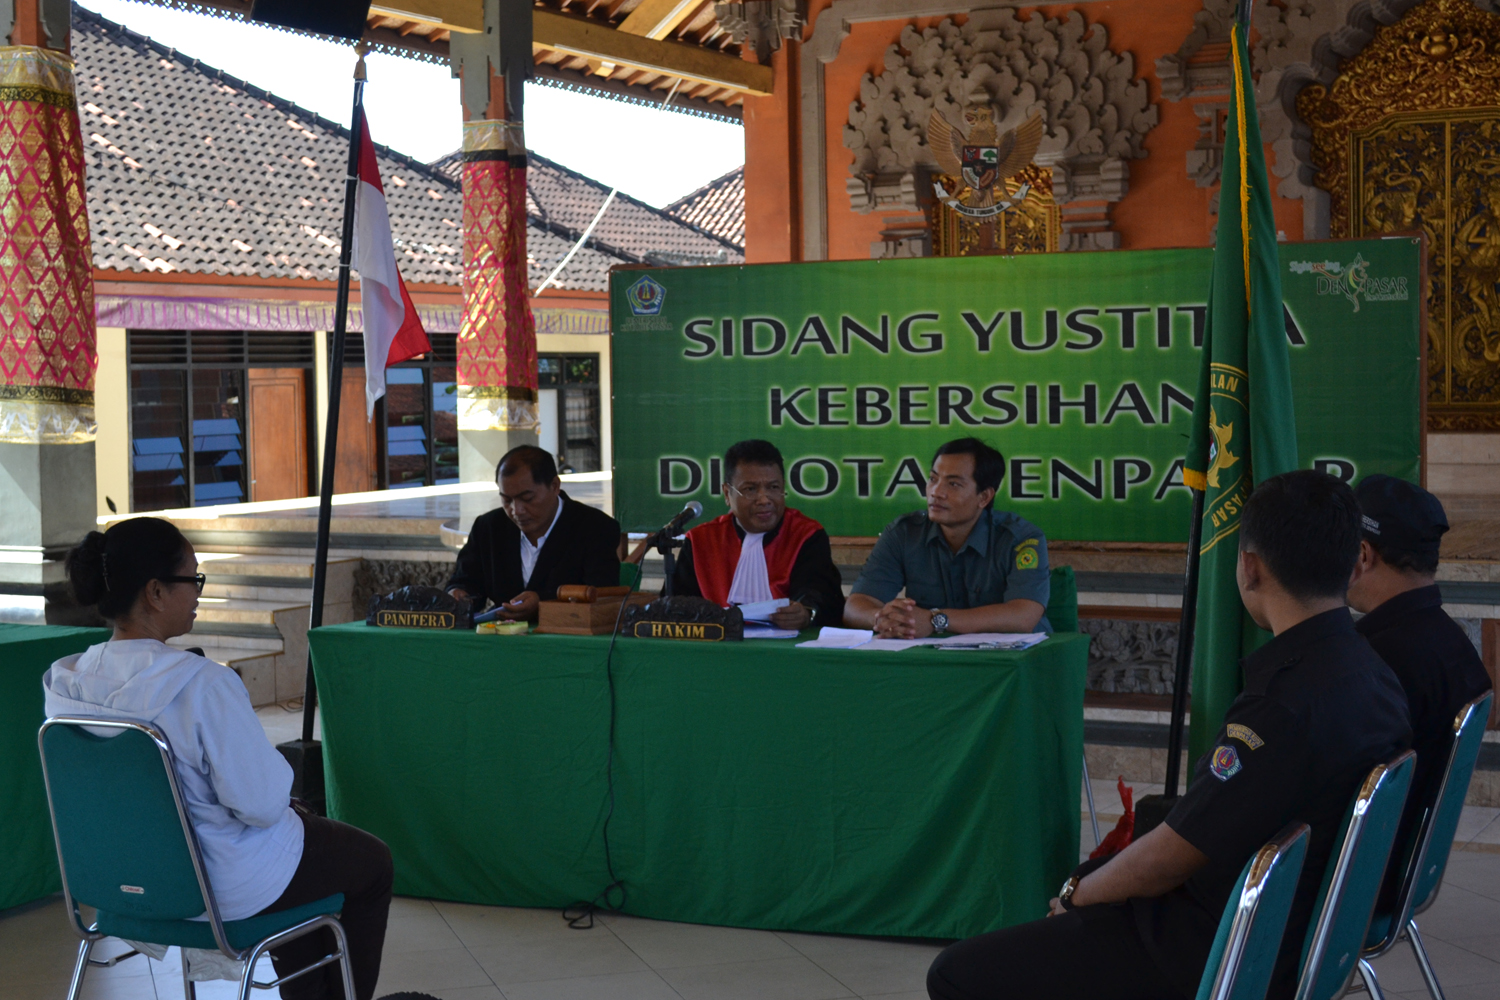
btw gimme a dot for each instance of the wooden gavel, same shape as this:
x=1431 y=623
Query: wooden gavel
x=579 y=593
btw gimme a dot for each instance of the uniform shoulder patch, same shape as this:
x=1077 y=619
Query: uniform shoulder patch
x=1245 y=735
x=1027 y=556
x=1225 y=763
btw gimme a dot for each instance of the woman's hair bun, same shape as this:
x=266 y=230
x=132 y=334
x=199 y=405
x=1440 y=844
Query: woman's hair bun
x=85 y=569
x=111 y=569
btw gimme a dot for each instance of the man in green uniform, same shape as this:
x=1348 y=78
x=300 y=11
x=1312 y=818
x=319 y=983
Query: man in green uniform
x=966 y=566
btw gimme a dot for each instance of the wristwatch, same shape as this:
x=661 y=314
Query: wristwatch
x=1065 y=894
x=939 y=621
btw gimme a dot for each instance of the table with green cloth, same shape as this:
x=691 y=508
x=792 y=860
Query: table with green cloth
x=919 y=793
x=28 y=859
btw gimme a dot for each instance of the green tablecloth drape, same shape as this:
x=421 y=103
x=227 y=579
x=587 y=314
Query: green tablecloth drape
x=28 y=859
x=920 y=793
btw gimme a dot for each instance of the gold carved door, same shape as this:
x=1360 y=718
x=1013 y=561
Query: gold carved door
x=1408 y=138
x=1440 y=173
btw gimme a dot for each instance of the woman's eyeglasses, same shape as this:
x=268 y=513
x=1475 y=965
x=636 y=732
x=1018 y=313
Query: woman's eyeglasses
x=200 y=579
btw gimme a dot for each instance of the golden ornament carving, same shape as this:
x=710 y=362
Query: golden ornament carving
x=1407 y=138
x=1031 y=225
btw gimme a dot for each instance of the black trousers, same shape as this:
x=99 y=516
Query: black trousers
x=337 y=857
x=1091 y=953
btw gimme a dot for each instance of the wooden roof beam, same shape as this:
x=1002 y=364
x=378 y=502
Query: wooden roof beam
x=464 y=16
x=590 y=40
x=658 y=18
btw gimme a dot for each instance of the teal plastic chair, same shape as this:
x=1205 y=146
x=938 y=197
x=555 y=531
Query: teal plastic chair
x=127 y=848
x=1351 y=883
x=1243 y=957
x=1427 y=855
x=1062 y=605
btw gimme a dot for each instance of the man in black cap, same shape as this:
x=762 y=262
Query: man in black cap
x=1395 y=586
x=1319 y=710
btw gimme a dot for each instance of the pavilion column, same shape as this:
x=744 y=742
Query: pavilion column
x=48 y=351
x=497 y=377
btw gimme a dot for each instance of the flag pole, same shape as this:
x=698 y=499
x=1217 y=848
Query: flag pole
x=1183 y=667
x=335 y=390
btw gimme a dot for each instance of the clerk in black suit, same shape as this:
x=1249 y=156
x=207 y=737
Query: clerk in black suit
x=539 y=540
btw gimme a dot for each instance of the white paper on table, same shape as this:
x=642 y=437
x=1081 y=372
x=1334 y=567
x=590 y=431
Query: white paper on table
x=897 y=645
x=761 y=611
x=762 y=632
x=996 y=640
x=838 y=638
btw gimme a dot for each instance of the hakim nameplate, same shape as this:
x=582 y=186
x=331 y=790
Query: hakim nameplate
x=701 y=632
x=415 y=619
x=691 y=619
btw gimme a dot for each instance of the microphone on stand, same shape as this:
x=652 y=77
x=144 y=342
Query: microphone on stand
x=692 y=511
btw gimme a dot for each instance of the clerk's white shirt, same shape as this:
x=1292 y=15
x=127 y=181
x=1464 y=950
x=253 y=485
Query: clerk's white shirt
x=529 y=552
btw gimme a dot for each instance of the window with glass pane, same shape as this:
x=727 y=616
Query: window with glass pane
x=158 y=419
x=406 y=452
x=218 y=436
x=444 y=425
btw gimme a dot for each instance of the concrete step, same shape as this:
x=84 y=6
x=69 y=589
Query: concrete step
x=243 y=612
x=255 y=592
x=211 y=641
x=220 y=566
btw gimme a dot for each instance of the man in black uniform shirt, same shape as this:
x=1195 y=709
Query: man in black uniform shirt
x=1319 y=709
x=540 y=539
x=1405 y=623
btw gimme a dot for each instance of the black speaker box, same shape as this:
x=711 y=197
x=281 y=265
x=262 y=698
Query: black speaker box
x=341 y=18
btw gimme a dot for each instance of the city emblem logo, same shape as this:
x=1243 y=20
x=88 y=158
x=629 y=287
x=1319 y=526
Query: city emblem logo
x=1226 y=763
x=646 y=296
x=1220 y=457
x=1353 y=280
x=981 y=160
x=1026 y=555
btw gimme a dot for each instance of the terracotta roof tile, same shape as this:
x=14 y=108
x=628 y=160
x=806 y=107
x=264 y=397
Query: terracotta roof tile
x=717 y=207
x=192 y=170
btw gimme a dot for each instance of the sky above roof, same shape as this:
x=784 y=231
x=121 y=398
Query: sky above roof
x=413 y=107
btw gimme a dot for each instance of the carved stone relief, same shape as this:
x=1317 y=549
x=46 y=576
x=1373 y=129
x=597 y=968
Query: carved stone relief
x=1095 y=108
x=762 y=24
x=1127 y=657
x=381 y=576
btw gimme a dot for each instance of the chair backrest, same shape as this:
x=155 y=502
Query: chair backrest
x=1250 y=931
x=1062 y=605
x=1435 y=838
x=124 y=841
x=1346 y=900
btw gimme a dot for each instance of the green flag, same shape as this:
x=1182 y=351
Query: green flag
x=1244 y=429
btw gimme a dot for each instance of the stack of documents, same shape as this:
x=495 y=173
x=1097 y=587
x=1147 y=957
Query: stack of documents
x=855 y=638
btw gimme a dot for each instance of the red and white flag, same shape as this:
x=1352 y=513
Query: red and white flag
x=393 y=333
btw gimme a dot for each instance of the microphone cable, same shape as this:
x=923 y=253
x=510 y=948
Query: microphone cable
x=580 y=915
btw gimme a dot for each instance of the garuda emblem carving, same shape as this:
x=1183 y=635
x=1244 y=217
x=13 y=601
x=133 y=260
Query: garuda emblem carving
x=982 y=158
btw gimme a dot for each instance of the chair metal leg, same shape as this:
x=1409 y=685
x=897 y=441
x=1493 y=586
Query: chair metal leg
x=189 y=988
x=344 y=970
x=1423 y=962
x=1088 y=787
x=1371 y=981
x=80 y=967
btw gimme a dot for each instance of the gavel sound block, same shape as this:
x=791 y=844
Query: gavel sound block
x=583 y=610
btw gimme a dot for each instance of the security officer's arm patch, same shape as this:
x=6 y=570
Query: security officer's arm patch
x=1026 y=554
x=1225 y=762
x=1245 y=735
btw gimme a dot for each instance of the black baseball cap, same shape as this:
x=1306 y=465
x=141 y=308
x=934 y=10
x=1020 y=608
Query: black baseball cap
x=1399 y=516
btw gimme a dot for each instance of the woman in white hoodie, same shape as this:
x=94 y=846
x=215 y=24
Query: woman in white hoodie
x=262 y=854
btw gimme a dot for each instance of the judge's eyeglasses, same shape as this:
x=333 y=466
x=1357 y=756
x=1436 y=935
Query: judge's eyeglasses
x=753 y=491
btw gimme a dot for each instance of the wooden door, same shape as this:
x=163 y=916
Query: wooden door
x=278 y=433
x=354 y=469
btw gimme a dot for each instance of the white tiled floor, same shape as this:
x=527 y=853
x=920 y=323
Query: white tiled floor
x=457 y=951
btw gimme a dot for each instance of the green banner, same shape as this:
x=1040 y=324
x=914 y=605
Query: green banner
x=1080 y=368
